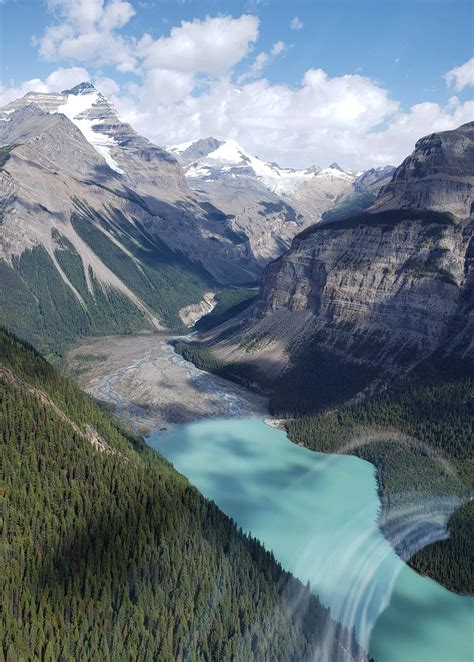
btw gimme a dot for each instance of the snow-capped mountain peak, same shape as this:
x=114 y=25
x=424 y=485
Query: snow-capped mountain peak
x=88 y=109
x=92 y=114
x=86 y=87
x=211 y=159
x=229 y=151
x=195 y=149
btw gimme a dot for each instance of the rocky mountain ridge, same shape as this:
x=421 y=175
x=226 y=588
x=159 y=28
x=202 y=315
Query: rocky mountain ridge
x=267 y=203
x=129 y=165
x=382 y=289
x=212 y=160
x=438 y=175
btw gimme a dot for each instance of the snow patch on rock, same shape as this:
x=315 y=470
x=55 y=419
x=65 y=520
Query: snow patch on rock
x=76 y=108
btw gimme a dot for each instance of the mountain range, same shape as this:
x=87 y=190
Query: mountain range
x=399 y=274
x=362 y=337
x=267 y=203
x=103 y=231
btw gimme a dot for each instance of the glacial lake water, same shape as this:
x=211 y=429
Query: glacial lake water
x=318 y=514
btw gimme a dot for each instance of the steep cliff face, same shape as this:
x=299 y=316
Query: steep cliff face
x=382 y=289
x=364 y=333
x=438 y=175
x=404 y=280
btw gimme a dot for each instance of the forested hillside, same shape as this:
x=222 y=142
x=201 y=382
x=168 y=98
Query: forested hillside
x=109 y=554
x=39 y=305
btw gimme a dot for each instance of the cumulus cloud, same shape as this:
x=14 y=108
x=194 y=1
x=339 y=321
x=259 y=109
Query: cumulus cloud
x=320 y=120
x=256 y=67
x=278 y=47
x=107 y=86
x=395 y=141
x=86 y=31
x=296 y=23
x=65 y=78
x=162 y=86
x=462 y=76
x=212 y=46
x=350 y=119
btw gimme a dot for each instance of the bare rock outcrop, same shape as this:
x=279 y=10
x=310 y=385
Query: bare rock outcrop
x=384 y=288
x=438 y=175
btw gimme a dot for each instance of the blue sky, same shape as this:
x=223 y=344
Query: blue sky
x=383 y=82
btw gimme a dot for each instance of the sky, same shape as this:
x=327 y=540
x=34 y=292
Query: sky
x=299 y=82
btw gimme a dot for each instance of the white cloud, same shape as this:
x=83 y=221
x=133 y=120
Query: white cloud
x=107 y=86
x=350 y=119
x=398 y=138
x=115 y=15
x=262 y=60
x=212 y=46
x=65 y=78
x=278 y=47
x=86 y=31
x=162 y=86
x=256 y=67
x=462 y=76
x=296 y=23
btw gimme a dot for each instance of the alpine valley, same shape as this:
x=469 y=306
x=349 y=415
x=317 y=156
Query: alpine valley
x=362 y=336
x=120 y=242
x=200 y=296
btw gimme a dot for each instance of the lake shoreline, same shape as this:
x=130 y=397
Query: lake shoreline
x=153 y=389
x=319 y=514
x=159 y=393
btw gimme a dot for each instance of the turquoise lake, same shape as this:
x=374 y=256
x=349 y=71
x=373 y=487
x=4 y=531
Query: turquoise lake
x=318 y=514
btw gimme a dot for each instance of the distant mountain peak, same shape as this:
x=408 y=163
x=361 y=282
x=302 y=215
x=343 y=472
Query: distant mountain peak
x=210 y=141
x=194 y=150
x=86 y=87
x=210 y=159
